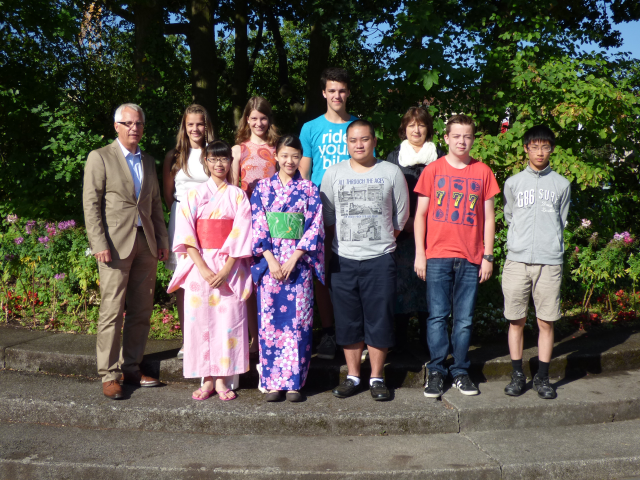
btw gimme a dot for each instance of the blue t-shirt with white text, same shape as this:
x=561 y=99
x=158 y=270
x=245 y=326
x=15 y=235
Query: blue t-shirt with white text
x=325 y=143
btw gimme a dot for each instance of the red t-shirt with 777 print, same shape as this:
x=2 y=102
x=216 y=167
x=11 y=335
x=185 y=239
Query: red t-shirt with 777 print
x=455 y=219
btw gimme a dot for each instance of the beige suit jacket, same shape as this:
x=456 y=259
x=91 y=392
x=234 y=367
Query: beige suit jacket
x=110 y=206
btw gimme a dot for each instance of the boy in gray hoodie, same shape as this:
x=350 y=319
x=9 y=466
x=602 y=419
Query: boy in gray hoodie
x=536 y=205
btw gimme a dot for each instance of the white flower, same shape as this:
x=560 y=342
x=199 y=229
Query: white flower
x=586 y=223
x=87 y=252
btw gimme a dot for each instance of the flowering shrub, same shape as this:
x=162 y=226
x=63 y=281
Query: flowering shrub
x=600 y=265
x=164 y=323
x=50 y=276
x=45 y=270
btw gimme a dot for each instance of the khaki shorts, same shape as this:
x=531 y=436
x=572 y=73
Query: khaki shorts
x=542 y=282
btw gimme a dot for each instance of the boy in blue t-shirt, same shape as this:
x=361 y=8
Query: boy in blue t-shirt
x=324 y=140
x=324 y=143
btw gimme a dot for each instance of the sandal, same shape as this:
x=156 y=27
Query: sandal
x=226 y=394
x=294 y=396
x=204 y=394
x=273 y=396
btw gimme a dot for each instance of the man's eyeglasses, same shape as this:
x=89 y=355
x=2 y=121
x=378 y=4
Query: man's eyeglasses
x=222 y=160
x=130 y=125
x=536 y=148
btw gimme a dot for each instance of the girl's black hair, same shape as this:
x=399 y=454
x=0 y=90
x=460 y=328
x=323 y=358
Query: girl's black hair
x=539 y=133
x=288 y=141
x=218 y=148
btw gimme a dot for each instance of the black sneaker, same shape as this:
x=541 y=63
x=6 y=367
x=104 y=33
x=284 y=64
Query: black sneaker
x=327 y=347
x=346 y=389
x=465 y=385
x=435 y=384
x=544 y=388
x=379 y=390
x=516 y=386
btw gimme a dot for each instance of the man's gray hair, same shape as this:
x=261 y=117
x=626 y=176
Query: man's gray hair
x=117 y=117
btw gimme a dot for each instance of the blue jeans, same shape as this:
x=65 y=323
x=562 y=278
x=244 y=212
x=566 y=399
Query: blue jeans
x=450 y=282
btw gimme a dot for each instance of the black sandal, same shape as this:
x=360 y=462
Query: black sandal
x=273 y=396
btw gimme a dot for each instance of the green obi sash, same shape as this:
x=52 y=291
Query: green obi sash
x=286 y=224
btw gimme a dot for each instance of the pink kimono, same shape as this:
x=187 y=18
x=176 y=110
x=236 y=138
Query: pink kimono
x=216 y=340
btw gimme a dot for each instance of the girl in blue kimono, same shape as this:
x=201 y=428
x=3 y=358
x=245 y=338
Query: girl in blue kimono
x=288 y=247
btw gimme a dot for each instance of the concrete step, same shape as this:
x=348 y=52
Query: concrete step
x=574 y=355
x=603 y=451
x=79 y=402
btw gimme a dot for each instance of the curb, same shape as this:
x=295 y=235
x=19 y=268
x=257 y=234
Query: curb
x=79 y=402
x=70 y=354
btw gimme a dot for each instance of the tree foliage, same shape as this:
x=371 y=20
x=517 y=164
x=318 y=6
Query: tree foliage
x=66 y=65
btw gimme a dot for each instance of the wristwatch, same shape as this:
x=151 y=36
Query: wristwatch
x=488 y=258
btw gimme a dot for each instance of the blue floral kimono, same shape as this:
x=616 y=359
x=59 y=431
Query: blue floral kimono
x=285 y=309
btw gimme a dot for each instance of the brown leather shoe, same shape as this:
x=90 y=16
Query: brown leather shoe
x=139 y=380
x=112 y=389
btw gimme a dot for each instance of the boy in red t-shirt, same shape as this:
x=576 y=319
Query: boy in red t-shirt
x=455 y=214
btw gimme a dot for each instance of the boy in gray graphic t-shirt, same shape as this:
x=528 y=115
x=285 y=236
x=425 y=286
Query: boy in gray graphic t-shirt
x=365 y=208
x=365 y=204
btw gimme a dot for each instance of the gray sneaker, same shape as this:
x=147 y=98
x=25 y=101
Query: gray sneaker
x=327 y=347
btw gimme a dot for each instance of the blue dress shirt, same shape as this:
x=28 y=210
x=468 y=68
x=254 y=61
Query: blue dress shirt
x=134 y=161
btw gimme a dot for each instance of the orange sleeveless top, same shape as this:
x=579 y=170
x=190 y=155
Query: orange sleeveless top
x=256 y=162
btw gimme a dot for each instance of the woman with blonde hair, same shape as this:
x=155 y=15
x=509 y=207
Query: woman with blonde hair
x=181 y=172
x=253 y=160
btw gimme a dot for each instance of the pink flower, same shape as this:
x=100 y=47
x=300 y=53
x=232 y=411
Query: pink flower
x=19 y=240
x=283 y=308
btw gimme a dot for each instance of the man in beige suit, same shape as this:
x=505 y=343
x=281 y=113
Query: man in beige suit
x=127 y=235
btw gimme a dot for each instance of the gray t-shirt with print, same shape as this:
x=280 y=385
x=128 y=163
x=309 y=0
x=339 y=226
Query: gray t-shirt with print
x=365 y=208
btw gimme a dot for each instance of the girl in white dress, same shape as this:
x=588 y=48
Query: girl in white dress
x=181 y=172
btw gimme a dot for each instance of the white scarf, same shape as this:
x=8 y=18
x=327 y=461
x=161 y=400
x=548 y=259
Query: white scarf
x=408 y=157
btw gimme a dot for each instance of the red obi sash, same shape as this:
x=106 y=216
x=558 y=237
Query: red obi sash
x=213 y=232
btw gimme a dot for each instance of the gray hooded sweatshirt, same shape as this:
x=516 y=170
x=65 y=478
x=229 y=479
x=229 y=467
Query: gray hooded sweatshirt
x=536 y=205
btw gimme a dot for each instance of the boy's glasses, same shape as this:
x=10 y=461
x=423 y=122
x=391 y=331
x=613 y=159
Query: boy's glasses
x=214 y=160
x=536 y=148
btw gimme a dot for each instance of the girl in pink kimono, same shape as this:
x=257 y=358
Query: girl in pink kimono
x=214 y=229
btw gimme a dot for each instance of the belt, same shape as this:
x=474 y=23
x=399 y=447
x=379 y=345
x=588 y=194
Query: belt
x=213 y=232
x=286 y=224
